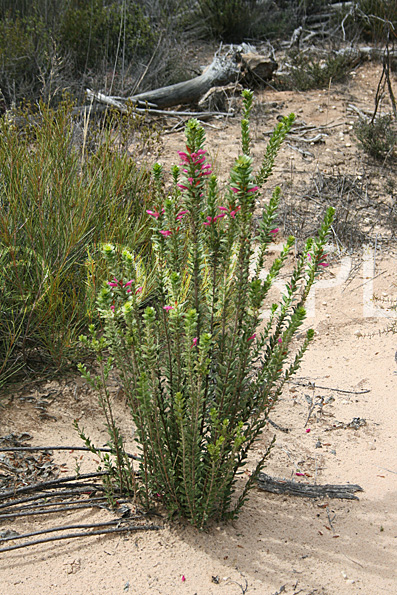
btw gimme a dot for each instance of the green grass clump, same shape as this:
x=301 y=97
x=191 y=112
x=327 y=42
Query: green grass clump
x=58 y=203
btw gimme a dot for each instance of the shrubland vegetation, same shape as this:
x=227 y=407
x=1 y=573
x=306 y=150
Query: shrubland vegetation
x=60 y=198
x=47 y=46
x=66 y=186
x=158 y=271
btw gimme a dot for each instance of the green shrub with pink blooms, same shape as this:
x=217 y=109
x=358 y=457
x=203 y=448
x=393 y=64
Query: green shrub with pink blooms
x=201 y=370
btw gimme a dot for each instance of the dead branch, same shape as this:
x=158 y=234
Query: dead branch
x=53 y=483
x=81 y=534
x=46 y=495
x=110 y=101
x=306 y=490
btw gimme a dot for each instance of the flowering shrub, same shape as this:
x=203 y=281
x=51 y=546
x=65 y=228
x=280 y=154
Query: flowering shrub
x=199 y=371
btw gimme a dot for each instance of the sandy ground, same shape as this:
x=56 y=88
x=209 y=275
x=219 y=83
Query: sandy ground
x=279 y=544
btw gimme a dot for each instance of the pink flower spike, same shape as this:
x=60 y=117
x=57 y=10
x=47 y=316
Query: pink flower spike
x=168 y=308
x=153 y=214
x=307 y=430
x=183 y=578
x=223 y=208
x=165 y=232
x=252 y=337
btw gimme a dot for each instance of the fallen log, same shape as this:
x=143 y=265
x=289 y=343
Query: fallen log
x=222 y=71
x=306 y=490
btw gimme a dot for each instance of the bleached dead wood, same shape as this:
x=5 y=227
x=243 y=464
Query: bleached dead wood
x=222 y=71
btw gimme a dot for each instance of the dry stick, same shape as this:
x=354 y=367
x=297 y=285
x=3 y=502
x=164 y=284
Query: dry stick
x=49 y=504
x=87 y=534
x=368 y=281
x=13 y=515
x=53 y=483
x=338 y=390
x=45 y=495
x=33 y=448
x=273 y=423
x=61 y=528
x=74 y=506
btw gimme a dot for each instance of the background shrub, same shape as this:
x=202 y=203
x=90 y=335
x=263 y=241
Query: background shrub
x=58 y=202
x=377 y=138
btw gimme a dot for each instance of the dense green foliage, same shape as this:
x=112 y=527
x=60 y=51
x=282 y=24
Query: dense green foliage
x=199 y=368
x=58 y=202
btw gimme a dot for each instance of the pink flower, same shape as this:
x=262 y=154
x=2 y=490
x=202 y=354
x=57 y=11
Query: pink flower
x=280 y=340
x=220 y=216
x=223 y=208
x=138 y=290
x=183 y=578
x=182 y=186
x=253 y=189
x=300 y=474
x=195 y=341
x=168 y=308
x=154 y=214
x=233 y=213
x=112 y=308
x=323 y=264
x=274 y=230
x=165 y=232
x=114 y=283
x=180 y=215
x=252 y=337
x=307 y=430
x=128 y=283
x=184 y=156
x=235 y=190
